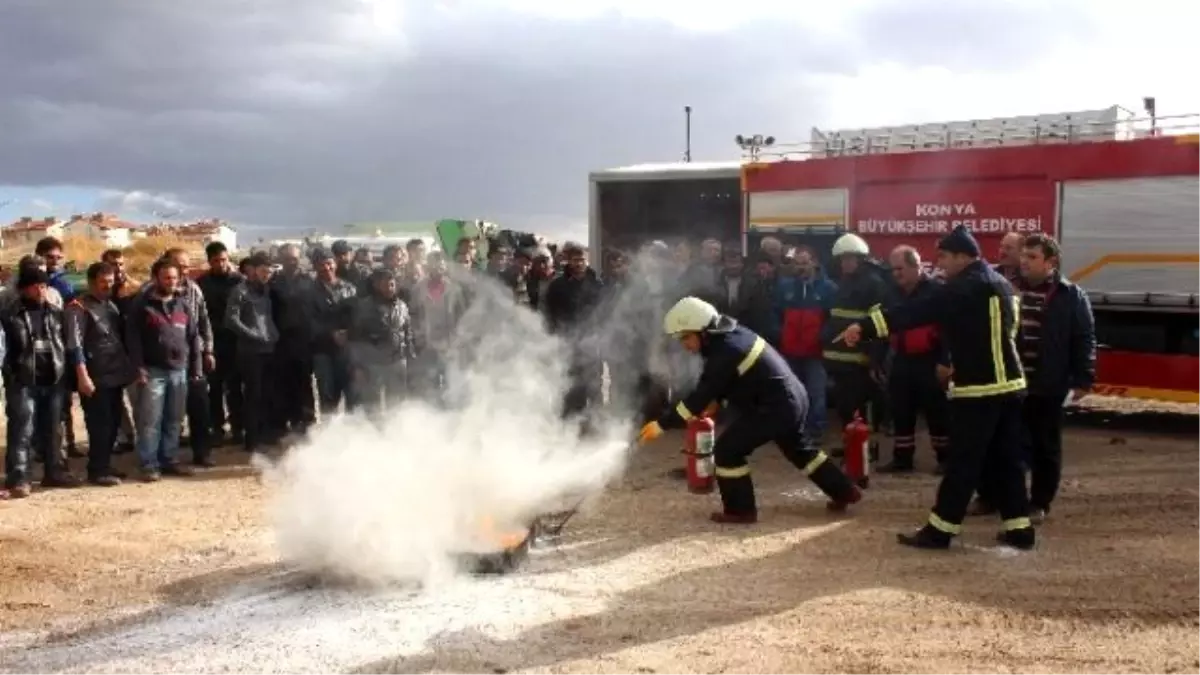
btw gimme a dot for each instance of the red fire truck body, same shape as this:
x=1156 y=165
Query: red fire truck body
x=1126 y=213
x=1126 y=210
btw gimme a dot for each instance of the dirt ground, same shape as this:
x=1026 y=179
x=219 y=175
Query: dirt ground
x=1112 y=587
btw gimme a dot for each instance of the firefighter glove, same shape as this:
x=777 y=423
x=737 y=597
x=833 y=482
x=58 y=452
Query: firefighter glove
x=650 y=432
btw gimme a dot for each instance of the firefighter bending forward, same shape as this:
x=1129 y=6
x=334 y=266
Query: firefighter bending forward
x=768 y=400
x=977 y=315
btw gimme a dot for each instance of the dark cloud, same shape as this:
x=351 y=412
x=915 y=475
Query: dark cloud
x=290 y=113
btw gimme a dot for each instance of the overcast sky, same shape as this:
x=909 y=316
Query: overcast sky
x=312 y=113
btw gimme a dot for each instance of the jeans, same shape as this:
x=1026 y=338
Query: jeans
x=333 y=380
x=34 y=423
x=811 y=372
x=102 y=415
x=161 y=403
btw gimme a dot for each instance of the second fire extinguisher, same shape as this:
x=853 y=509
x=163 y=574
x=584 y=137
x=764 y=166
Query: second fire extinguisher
x=856 y=443
x=701 y=435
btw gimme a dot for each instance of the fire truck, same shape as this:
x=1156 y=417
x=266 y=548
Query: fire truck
x=1120 y=193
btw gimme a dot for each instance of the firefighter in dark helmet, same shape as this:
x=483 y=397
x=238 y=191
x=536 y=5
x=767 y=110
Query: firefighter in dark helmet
x=977 y=315
x=770 y=404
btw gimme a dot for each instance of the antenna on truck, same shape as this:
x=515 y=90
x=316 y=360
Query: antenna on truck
x=687 y=134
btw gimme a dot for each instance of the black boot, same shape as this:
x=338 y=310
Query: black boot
x=737 y=498
x=834 y=482
x=927 y=537
x=1023 y=538
x=902 y=462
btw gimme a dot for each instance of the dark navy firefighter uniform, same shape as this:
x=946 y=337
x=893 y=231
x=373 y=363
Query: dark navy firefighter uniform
x=977 y=316
x=770 y=403
x=913 y=386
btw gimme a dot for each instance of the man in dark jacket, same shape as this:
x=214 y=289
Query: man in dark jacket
x=96 y=349
x=1057 y=341
x=35 y=363
x=976 y=314
x=251 y=318
x=329 y=310
x=571 y=301
x=348 y=269
x=758 y=306
x=166 y=352
x=224 y=382
x=292 y=369
x=381 y=343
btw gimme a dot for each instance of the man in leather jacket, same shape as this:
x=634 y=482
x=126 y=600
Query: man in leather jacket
x=381 y=343
x=96 y=350
x=34 y=368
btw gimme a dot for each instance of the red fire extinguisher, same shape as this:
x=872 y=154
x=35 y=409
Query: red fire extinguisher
x=701 y=435
x=856 y=441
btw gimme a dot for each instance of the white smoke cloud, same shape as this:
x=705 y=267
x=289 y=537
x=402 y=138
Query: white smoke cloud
x=398 y=500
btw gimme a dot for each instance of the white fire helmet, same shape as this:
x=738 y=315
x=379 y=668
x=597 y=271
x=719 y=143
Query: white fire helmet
x=689 y=315
x=852 y=244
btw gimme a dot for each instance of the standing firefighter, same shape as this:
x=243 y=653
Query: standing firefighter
x=754 y=380
x=859 y=289
x=976 y=313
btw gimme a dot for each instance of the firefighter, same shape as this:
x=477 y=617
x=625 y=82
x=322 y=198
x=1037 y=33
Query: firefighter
x=741 y=369
x=912 y=384
x=976 y=314
x=853 y=369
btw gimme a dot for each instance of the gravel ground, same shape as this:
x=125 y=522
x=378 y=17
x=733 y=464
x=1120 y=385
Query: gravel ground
x=180 y=576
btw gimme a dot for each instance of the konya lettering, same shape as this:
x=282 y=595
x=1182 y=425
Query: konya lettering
x=941 y=218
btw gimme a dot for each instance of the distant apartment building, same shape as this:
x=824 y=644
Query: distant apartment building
x=200 y=233
x=26 y=230
x=106 y=228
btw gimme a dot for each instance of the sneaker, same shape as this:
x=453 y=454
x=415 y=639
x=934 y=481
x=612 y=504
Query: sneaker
x=107 y=480
x=205 y=462
x=151 y=476
x=20 y=491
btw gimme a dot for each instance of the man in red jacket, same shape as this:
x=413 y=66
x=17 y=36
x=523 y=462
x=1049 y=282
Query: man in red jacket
x=912 y=385
x=804 y=296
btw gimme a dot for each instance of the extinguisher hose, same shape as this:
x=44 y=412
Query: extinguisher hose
x=552 y=524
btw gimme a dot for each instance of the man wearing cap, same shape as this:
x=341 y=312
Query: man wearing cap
x=977 y=315
x=34 y=384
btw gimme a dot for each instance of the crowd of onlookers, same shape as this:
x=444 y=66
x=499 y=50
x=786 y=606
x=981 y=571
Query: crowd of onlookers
x=232 y=351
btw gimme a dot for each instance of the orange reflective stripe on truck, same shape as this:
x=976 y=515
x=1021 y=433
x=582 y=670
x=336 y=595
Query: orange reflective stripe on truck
x=1134 y=259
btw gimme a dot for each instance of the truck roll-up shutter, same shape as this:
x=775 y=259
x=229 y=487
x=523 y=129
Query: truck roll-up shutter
x=1133 y=241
